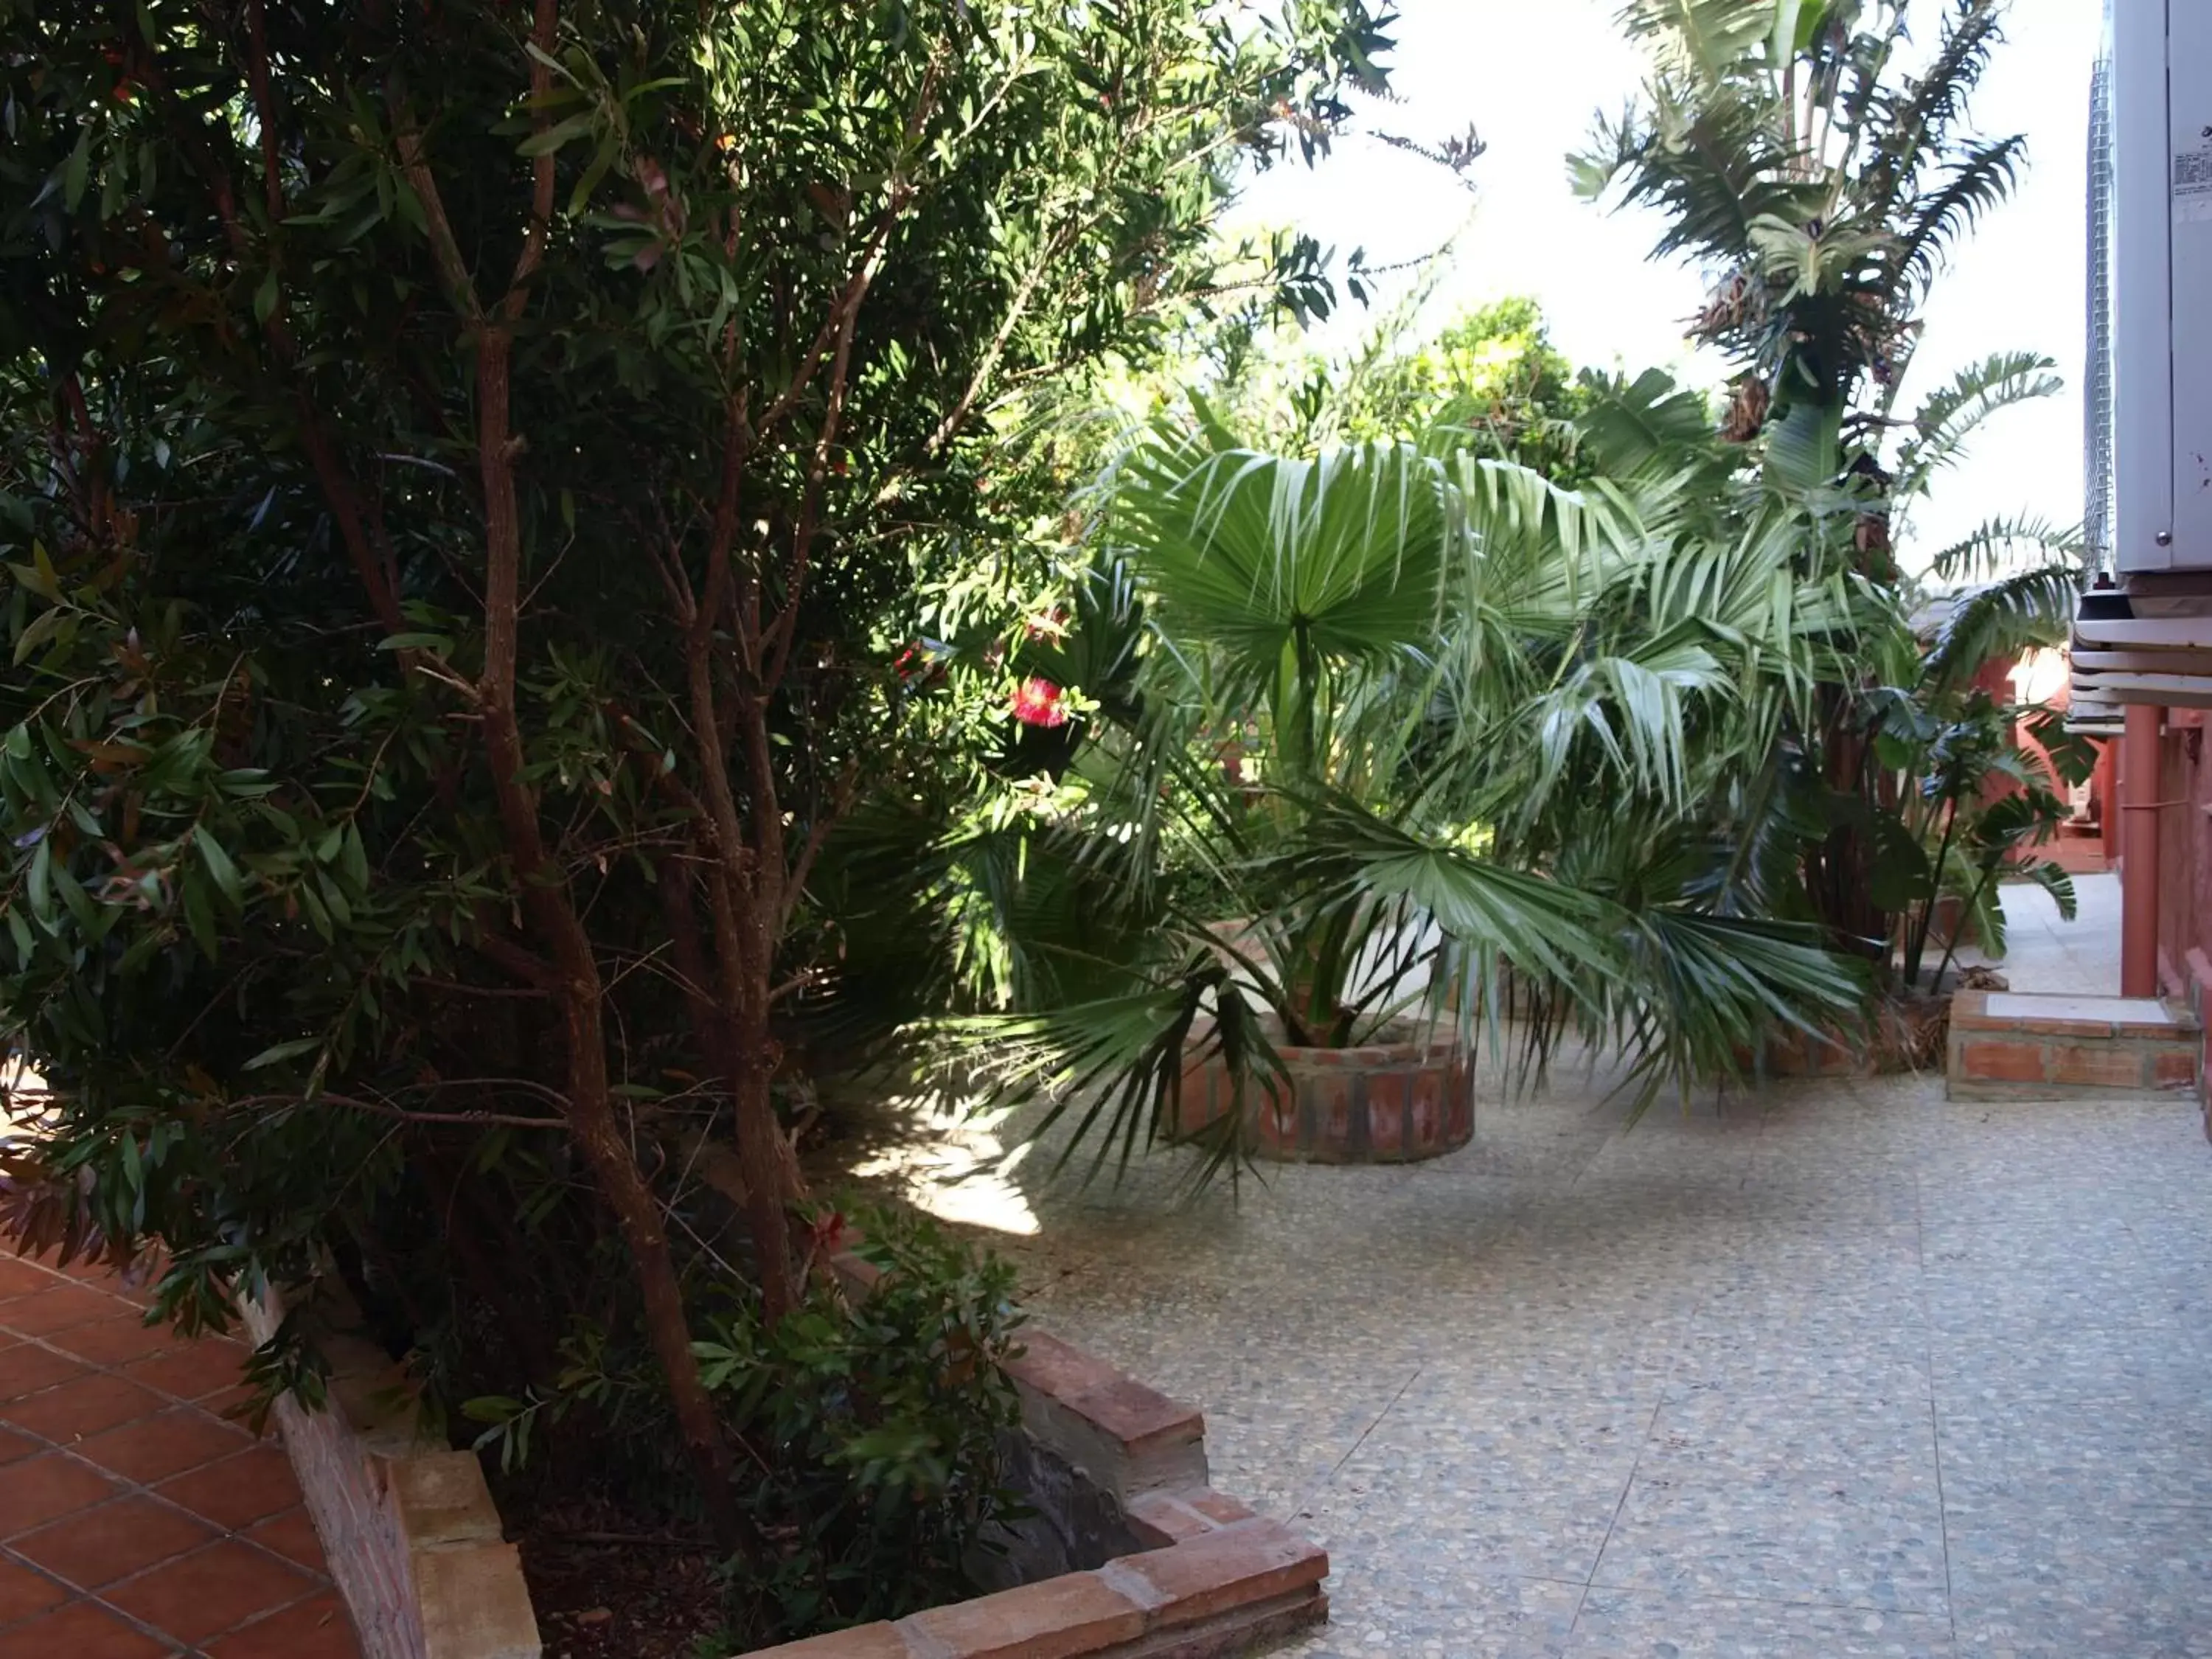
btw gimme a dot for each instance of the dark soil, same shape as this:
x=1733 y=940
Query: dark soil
x=606 y=1587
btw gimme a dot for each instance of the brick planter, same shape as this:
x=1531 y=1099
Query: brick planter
x=1127 y=1552
x=1130 y=1554
x=1385 y=1103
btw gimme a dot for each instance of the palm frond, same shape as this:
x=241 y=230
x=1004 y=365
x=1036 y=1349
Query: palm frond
x=2057 y=880
x=1978 y=181
x=1713 y=40
x=1343 y=556
x=1911 y=131
x=2033 y=608
x=2002 y=544
x=1952 y=415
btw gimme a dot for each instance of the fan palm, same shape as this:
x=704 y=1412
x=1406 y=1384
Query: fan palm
x=1392 y=721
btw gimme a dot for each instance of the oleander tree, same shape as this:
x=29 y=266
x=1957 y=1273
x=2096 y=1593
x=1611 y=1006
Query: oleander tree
x=471 y=479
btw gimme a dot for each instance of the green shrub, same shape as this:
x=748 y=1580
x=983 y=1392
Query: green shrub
x=873 y=1419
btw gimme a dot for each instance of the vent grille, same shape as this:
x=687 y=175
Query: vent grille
x=2099 y=451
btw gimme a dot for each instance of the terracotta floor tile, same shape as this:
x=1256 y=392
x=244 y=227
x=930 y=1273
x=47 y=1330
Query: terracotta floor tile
x=292 y=1534
x=224 y=1402
x=22 y=1278
x=80 y=1631
x=14 y=1445
x=27 y=1368
x=23 y=1593
x=82 y=1410
x=56 y=1309
x=202 y=1594
x=37 y=1489
x=190 y=1370
x=155 y=1447
x=314 y=1629
x=112 y=1341
x=239 y=1491
x=98 y=1546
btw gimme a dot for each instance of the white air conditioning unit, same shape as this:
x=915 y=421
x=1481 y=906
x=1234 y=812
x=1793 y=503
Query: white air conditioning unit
x=2159 y=180
x=2146 y=638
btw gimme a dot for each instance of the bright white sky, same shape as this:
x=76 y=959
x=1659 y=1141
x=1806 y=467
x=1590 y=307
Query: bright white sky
x=1531 y=75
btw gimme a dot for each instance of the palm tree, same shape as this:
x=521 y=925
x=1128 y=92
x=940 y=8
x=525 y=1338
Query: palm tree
x=1820 y=180
x=1819 y=166
x=1384 y=723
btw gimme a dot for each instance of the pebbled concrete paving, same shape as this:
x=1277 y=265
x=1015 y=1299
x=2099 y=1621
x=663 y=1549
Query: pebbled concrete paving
x=2048 y=955
x=1839 y=1369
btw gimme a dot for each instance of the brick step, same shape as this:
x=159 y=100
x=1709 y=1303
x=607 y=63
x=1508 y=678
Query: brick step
x=2007 y=1045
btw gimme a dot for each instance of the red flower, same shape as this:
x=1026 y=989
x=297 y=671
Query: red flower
x=1039 y=703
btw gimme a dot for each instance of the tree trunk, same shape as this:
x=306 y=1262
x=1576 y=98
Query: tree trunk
x=767 y=1180
x=744 y=953
x=579 y=992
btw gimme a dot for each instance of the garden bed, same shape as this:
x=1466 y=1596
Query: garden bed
x=1125 y=1549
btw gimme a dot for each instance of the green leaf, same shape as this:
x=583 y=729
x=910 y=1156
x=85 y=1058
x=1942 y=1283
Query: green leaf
x=43 y=628
x=318 y=917
x=280 y=1052
x=1804 y=448
x=602 y=159
x=39 y=575
x=199 y=916
x=545 y=143
x=75 y=169
x=265 y=297
x=38 y=883
x=219 y=866
x=356 y=864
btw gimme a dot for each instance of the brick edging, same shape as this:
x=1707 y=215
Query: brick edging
x=416 y=1546
x=408 y=1525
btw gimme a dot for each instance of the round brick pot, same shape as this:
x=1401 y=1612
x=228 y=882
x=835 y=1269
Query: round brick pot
x=1396 y=1102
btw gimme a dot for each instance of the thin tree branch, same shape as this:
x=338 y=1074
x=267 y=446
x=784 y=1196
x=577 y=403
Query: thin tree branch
x=384 y=1108
x=543 y=34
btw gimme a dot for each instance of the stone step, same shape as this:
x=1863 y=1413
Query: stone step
x=2008 y=1045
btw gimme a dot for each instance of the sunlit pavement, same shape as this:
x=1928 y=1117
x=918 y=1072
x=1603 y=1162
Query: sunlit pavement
x=1838 y=1370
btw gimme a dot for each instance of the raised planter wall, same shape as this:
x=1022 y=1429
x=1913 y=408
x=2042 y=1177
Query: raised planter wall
x=413 y=1540
x=2196 y=992
x=2043 y=1048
